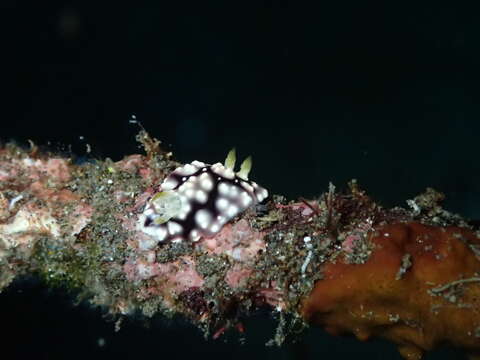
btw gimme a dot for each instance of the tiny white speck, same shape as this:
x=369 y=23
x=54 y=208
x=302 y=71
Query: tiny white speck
x=386 y=234
x=109 y=181
x=184 y=178
x=307 y=239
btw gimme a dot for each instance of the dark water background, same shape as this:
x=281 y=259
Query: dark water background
x=387 y=94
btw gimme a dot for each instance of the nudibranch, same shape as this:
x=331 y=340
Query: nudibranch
x=196 y=200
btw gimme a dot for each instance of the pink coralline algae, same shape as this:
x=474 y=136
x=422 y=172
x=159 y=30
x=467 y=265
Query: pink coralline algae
x=237 y=240
x=27 y=218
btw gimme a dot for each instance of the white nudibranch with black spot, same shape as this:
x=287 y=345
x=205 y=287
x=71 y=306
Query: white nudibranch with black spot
x=198 y=199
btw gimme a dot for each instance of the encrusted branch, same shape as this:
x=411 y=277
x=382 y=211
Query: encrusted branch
x=340 y=261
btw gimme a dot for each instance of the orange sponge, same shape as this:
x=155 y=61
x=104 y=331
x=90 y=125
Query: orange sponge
x=419 y=288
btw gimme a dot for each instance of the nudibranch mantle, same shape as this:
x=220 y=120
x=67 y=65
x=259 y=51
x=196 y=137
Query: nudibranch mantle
x=196 y=200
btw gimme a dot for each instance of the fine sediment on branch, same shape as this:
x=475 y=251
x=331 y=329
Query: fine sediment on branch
x=340 y=261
